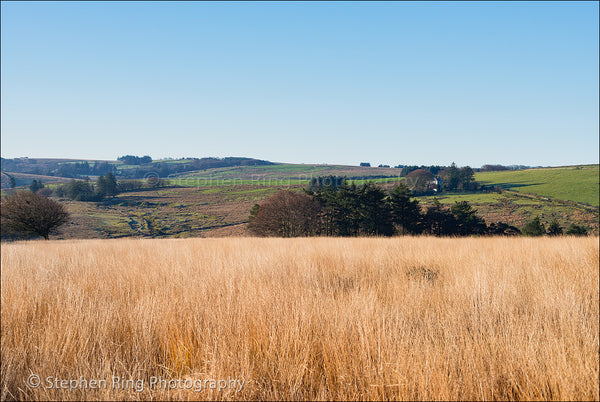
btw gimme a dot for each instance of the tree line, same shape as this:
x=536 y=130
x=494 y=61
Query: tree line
x=137 y=166
x=83 y=190
x=336 y=208
x=535 y=227
x=332 y=207
x=105 y=186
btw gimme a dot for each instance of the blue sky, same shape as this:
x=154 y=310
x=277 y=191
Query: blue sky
x=303 y=82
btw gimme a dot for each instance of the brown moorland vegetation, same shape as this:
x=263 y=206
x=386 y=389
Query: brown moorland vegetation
x=312 y=318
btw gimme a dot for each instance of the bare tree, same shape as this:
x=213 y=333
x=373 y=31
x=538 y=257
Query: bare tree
x=286 y=214
x=26 y=213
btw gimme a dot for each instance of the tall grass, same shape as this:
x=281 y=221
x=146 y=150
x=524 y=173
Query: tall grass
x=365 y=318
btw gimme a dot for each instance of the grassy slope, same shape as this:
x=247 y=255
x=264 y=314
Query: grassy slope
x=168 y=212
x=566 y=183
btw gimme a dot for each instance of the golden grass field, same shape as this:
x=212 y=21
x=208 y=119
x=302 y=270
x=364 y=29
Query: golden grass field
x=322 y=318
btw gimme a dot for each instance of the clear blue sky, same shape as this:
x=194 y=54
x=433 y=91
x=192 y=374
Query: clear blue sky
x=303 y=82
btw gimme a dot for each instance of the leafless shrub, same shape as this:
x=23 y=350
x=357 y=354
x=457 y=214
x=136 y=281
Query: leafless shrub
x=26 y=213
x=286 y=214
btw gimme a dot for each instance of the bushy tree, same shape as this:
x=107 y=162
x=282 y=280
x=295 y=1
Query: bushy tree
x=504 y=229
x=27 y=213
x=106 y=186
x=78 y=190
x=36 y=185
x=554 y=228
x=534 y=228
x=341 y=209
x=285 y=214
x=577 y=230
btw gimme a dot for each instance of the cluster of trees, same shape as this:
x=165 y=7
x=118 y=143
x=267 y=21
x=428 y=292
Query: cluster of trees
x=84 y=168
x=459 y=179
x=326 y=181
x=535 y=227
x=331 y=207
x=497 y=168
x=135 y=160
x=165 y=169
x=140 y=167
x=493 y=168
x=433 y=169
x=61 y=168
x=84 y=190
x=339 y=209
x=36 y=185
x=105 y=186
x=428 y=179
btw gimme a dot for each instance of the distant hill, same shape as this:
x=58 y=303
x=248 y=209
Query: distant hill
x=129 y=167
x=216 y=201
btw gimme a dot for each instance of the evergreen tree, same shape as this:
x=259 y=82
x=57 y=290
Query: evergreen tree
x=577 y=230
x=111 y=185
x=106 y=186
x=36 y=185
x=453 y=177
x=375 y=217
x=101 y=186
x=467 y=220
x=534 y=228
x=467 y=178
x=504 y=229
x=439 y=221
x=405 y=213
x=79 y=190
x=554 y=229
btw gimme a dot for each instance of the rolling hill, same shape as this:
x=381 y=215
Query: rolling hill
x=217 y=201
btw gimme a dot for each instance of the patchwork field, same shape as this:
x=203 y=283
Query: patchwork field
x=327 y=318
x=282 y=175
x=217 y=202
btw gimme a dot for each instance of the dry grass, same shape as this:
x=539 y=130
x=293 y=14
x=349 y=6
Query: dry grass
x=401 y=318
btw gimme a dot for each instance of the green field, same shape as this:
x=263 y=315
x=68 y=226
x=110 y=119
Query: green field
x=281 y=175
x=579 y=184
x=472 y=198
